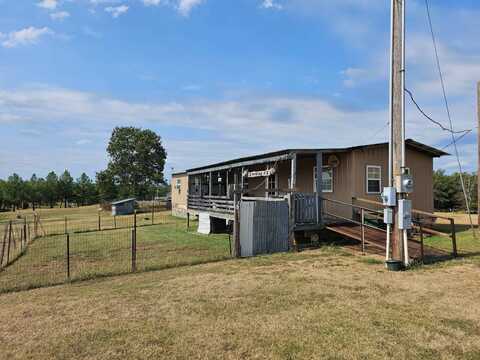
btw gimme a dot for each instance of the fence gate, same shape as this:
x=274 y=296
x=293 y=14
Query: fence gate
x=263 y=227
x=306 y=208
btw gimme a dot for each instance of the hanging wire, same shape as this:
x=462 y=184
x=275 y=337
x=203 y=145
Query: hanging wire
x=447 y=107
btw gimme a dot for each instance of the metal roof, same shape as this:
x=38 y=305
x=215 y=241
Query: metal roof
x=123 y=201
x=433 y=152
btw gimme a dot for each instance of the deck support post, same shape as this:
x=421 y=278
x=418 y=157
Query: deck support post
x=236 y=251
x=293 y=185
x=318 y=186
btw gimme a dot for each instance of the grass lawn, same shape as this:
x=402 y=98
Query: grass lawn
x=81 y=219
x=324 y=303
x=108 y=252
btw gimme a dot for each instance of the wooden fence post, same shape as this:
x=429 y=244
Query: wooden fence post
x=454 y=237
x=9 y=240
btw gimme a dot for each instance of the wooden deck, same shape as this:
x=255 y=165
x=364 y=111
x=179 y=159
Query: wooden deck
x=375 y=241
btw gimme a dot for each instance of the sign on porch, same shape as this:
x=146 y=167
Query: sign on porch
x=264 y=173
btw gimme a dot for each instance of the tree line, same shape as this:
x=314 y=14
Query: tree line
x=448 y=192
x=17 y=193
x=135 y=169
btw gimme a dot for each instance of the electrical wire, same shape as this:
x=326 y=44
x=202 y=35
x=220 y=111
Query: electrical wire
x=447 y=107
x=431 y=119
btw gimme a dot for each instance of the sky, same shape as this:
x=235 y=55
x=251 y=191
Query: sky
x=218 y=79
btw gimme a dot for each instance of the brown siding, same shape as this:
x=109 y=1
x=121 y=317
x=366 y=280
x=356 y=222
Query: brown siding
x=179 y=196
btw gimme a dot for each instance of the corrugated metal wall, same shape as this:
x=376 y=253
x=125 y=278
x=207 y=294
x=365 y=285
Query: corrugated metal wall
x=263 y=227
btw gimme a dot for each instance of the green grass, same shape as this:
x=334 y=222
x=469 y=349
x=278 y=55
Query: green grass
x=308 y=305
x=106 y=253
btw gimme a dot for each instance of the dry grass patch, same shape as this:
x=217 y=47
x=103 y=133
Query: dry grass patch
x=315 y=304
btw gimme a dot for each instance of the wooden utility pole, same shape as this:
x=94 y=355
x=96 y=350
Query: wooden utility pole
x=397 y=160
x=478 y=146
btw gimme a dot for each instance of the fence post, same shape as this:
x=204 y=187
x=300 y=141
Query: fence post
x=35 y=229
x=363 y=229
x=68 y=256
x=153 y=212
x=134 y=249
x=454 y=238
x=115 y=221
x=188 y=220
x=99 y=221
x=66 y=229
x=9 y=240
x=422 y=253
x=25 y=231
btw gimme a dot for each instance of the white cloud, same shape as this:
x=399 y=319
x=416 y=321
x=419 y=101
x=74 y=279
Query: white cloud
x=60 y=15
x=48 y=4
x=26 y=36
x=153 y=2
x=185 y=6
x=271 y=4
x=116 y=11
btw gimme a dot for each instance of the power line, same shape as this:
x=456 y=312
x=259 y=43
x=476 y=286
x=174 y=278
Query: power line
x=447 y=107
x=431 y=119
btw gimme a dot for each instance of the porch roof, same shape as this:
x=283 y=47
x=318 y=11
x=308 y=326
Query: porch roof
x=287 y=154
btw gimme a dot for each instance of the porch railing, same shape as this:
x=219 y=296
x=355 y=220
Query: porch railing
x=218 y=204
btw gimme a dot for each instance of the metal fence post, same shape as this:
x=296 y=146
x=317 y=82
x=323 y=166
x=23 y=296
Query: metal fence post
x=454 y=238
x=68 y=256
x=66 y=229
x=153 y=212
x=115 y=221
x=188 y=220
x=422 y=252
x=25 y=231
x=363 y=230
x=134 y=249
x=99 y=222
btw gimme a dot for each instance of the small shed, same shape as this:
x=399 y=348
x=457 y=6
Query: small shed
x=123 y=207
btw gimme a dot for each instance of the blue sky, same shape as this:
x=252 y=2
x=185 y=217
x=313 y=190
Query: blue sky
x=221 y=78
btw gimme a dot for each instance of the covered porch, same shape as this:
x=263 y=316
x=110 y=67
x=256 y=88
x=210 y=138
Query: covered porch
x=292 y=176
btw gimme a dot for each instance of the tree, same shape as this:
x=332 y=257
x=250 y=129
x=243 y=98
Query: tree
x=85 y=190
x=33 y=191
x=15 y=191
x=65 y=187
x=106 y=188
x=51 y=192
x=3 y=199
x=137 y=160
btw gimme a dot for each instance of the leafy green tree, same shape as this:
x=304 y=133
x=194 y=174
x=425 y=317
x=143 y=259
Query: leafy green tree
x=15 y=191
x=137 y=160
x=3 y=199
x=85 y=190
x=65 y=187
x=106 y=188
x=51 y=189
x=33 y=191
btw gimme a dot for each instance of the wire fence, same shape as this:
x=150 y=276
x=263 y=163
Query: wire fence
x=44 y=259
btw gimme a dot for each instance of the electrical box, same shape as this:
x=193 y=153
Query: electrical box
x=389 y=196
x=405 y=183
x=388 y=216
x=405 y=214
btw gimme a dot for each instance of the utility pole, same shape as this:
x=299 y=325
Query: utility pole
x=397 y=123
x=478 y=145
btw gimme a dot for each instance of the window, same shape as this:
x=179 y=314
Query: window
x=327 y=179
x=374 y=179
x=271 y=184
x=178 y=184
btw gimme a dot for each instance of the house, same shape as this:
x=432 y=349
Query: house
x=123 y=207
x=347 y=174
